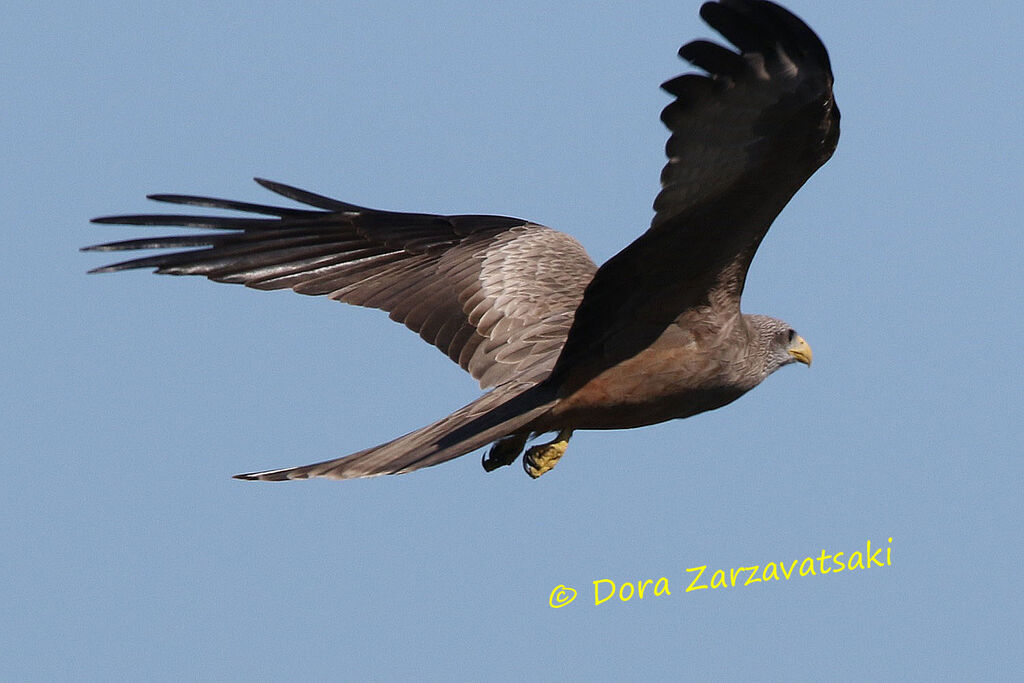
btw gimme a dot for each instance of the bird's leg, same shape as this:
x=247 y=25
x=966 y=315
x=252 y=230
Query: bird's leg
x=505 y=451
x=540 y=459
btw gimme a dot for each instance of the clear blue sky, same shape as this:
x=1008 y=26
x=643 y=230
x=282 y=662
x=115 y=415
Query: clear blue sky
x=128 y=400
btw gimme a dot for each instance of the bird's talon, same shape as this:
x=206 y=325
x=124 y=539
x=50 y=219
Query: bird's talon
x=542 y=458
x=504 y=452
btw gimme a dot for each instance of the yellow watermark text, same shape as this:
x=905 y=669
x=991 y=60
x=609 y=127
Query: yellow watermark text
x=701 y=578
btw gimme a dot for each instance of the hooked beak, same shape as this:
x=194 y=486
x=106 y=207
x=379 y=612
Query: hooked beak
x=801 y=351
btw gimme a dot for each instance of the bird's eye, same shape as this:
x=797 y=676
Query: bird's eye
x=792 y=335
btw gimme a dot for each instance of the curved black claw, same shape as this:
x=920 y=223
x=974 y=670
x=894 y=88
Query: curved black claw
x=504 y=452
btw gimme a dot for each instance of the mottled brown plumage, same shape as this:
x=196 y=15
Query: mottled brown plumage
x=655 y=334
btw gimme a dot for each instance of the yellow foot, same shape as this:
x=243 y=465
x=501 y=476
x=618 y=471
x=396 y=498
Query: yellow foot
x=504 y=452
x=540 y=459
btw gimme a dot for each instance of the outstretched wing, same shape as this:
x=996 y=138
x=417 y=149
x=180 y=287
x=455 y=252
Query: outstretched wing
x=745 y=137
x=496 y=294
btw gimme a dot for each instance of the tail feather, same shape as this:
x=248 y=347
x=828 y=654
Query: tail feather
x=505 y=410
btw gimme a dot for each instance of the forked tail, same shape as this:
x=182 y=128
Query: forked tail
x=504 y=411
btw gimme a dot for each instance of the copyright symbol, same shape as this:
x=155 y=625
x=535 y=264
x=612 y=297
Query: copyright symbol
x=561 y=596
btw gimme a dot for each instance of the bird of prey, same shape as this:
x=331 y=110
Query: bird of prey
x=654 y=334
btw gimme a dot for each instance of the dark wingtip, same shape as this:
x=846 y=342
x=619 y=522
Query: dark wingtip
x=97 y=247
x=270 y=475
x=117 y=267
x=169 y=198
x=280 y=188
x=265 y=475
x=307 y=197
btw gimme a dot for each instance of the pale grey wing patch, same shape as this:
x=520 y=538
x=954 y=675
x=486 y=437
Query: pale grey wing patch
x=489 y=303
x=495 y=294
x=531 y=281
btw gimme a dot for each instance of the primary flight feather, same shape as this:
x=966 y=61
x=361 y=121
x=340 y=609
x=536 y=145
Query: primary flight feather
x=654 y=334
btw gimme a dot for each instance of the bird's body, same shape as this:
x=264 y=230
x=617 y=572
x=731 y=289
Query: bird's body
x=685 y=371
x=654 y=334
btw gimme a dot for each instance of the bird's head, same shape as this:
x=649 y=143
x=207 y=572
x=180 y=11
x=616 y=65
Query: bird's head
x=779 y=343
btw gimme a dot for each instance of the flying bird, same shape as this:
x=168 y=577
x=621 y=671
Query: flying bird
x=654 y=334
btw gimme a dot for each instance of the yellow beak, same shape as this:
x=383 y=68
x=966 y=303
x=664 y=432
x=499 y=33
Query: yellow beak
x=801 y=350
